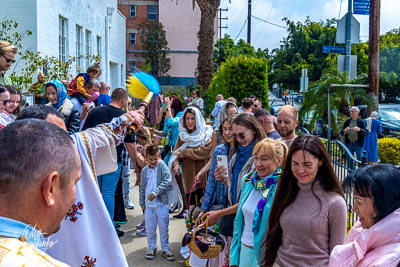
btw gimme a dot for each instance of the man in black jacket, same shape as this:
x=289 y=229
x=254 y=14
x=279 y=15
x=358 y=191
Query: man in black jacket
x=354 y=132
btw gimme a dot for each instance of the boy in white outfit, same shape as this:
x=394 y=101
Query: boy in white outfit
x=153 y=197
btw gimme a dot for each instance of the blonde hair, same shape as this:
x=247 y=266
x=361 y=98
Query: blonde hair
x=7 y=47
x=290 y=109
x=273 y=149
x=144 y=133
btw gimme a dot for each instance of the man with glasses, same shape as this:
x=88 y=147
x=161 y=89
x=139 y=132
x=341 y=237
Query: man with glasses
x=256 y=105
x=7 y=55
x=354 y=131
x=5 y=99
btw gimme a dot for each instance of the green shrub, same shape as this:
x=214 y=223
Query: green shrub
x=240 y=77
x=389 y=150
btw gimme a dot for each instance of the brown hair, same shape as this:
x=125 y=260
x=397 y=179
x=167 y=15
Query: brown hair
x=230 y=120
x=118 y=94
x=14 y=91
x=250 y=122
x=287 y=190
x=144 y=133
x=191 y=111
x=94 y=69
x=152 y=150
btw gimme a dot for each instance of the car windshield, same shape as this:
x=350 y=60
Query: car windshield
x=389 y=114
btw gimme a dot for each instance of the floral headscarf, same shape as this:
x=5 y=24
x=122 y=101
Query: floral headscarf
x=61 y=92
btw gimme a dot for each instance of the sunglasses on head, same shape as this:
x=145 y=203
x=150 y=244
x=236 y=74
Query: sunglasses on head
x=241 y=135
x=9 y=60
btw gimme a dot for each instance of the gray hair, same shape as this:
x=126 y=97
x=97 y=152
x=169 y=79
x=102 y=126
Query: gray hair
x=93 y=81
x=30 y=148
x=374 y=115
x=356 y=108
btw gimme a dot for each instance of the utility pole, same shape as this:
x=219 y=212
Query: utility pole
x=249 y=23
x=373 y=52
x=220 y=21
x=348 y=38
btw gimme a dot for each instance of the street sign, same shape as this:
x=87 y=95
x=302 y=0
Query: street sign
x=361 y=7
x=341 y=30
x=341 y=65
x=333 y=49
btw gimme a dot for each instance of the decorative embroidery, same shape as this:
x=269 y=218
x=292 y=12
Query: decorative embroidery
x=90 y=158
x=119 y=129
x=73 y=211
x=3 y=252
x=90 y=262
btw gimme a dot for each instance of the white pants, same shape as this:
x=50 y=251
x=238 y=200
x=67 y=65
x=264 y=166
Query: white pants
x=160 y=216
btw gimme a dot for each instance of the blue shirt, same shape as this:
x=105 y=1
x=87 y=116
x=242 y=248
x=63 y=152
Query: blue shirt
x=171 y=129
x=104 y=99
x=215 y=113
x=15 y=229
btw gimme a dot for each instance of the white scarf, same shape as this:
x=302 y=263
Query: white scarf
x=197 y=138
x=5 y=119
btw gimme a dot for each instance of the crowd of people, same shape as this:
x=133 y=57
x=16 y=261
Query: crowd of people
x=65 y=176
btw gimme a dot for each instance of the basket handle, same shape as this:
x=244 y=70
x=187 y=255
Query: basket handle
x=197 y=228
x=190 y=193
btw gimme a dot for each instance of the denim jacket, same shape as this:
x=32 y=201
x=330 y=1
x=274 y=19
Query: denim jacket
x=215 y=192
x=239 y=224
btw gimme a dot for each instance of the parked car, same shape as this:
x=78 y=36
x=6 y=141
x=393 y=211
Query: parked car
x=389 y=115
x=298 y=99
x=275 y=109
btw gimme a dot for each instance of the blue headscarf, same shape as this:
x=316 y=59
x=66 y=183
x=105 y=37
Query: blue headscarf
x=243 y=154
x=61 y=92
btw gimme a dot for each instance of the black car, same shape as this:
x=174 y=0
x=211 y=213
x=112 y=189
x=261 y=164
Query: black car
x=389 y=115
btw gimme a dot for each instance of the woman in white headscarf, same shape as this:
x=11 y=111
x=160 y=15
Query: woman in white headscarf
x=374 y=127
x=192 y=151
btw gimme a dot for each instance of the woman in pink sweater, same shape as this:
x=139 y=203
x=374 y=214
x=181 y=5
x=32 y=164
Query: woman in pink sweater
x=308 y=214
x=374 y=239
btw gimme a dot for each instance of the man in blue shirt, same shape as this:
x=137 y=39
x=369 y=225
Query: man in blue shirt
x=104 y=98
x=217 y=109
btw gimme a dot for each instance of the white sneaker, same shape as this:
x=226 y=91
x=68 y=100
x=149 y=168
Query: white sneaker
x=128 y=203
x=150 y=254
x=168 y=255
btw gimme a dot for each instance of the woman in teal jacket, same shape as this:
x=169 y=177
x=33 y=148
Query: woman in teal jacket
x=257 y=194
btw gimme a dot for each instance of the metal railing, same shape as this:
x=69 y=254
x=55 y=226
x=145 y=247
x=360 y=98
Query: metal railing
x=344 y=163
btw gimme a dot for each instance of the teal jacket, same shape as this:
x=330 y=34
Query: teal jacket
x=239 y=224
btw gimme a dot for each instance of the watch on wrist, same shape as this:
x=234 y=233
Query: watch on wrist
x=167 y=109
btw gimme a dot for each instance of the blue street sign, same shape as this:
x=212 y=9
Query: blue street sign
x=333 y=49
x=361 y=7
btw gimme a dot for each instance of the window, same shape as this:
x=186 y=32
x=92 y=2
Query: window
x=132 y=66
x=152 y=13
x=87 y=48
x=99 y=46
x=79 y=49
x=132 y=39
x=132 y=11
x=62 y=38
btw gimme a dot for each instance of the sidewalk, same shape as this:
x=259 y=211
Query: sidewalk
x=135 y=246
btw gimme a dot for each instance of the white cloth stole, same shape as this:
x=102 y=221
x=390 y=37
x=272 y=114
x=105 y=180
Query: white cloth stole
x=151 y=185
x=87 y=233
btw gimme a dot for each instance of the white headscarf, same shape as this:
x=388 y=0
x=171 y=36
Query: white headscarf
x=222 y=114
x=374 y=115
x=202 y=133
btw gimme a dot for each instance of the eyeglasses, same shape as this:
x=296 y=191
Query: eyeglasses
x=9 y=60
x=241 y=135
x=6 y=101
x=255 y=106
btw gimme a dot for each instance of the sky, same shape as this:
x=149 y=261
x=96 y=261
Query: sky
x=264 y=35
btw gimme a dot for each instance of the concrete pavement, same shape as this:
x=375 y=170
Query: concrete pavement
x=135 y=246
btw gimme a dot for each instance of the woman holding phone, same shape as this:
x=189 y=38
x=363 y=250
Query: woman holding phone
x=216 y=191
x=248 y=132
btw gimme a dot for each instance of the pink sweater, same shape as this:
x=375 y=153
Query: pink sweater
x=376 y=246
x=311 y=227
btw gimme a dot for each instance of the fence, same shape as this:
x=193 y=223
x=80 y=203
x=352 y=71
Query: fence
x=344 y=163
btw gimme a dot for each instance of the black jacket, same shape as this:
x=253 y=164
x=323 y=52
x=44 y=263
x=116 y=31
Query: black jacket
x=361 y=134
x=72 y=117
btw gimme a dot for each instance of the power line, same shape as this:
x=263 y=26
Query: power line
x=241 y=29
x=269 y=23
x=236 y=24
x=265 y=22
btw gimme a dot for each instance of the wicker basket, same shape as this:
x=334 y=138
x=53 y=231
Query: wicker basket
x=212 y=252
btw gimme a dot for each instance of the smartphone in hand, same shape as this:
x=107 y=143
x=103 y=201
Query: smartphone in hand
x=222 y=160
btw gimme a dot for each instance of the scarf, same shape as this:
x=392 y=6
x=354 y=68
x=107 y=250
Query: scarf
x=374 y=115
x=202 y=133
x=262 y=184
x=61 y=92
x=242 y=156
x=5 y=119
x=222 y=114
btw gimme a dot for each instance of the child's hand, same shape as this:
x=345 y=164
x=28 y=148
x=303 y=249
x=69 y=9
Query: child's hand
x=89 y=97
x=151 y=197
x=177 y=169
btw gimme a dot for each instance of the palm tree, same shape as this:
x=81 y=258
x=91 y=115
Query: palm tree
x=205 y=64
x=316 y=98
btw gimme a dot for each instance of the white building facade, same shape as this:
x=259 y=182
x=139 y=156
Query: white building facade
x=64 y=28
